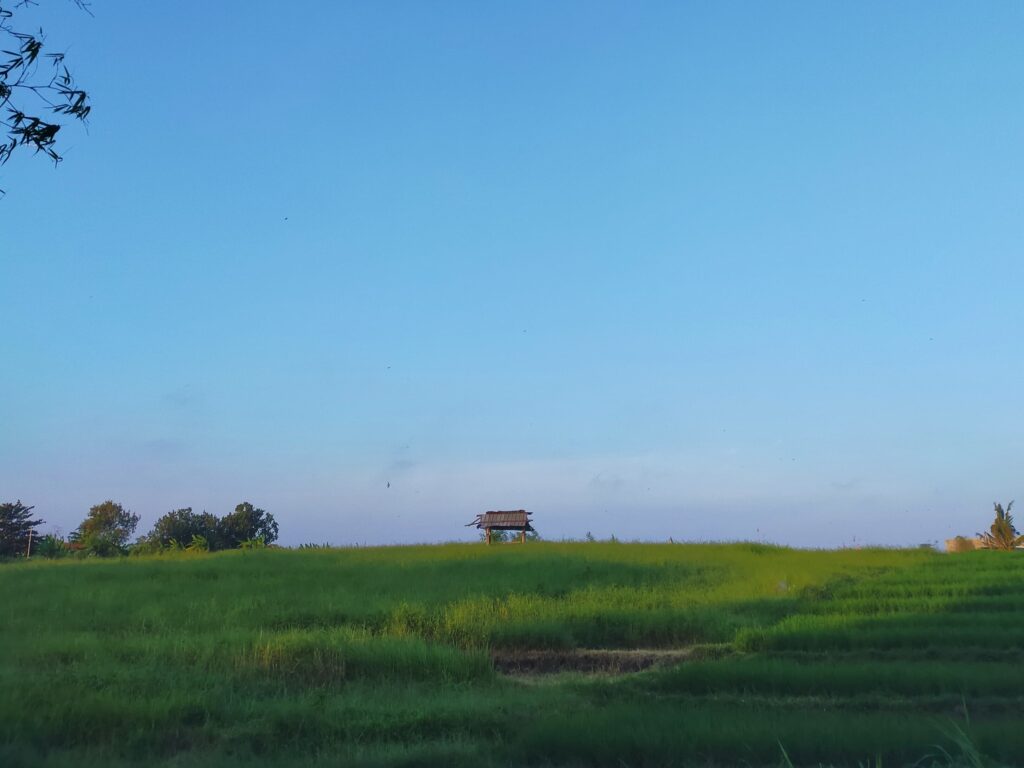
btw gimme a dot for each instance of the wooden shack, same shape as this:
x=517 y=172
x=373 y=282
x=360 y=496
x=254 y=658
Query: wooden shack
x=514 y=520
x=964 y=544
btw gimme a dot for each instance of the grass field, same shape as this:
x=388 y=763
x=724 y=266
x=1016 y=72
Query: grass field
x=383 y=657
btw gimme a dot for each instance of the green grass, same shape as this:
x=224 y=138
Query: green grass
x=381 y=657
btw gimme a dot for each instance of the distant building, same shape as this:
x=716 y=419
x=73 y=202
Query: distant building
x=515 y=520
x=964 y=544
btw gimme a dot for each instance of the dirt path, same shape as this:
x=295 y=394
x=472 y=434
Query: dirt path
x=586 y=660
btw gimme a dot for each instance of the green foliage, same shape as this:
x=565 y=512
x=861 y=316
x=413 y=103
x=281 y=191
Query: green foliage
x=35 y=103
x=963 y=752
x=184 y=525
x=146 y=546
x=16 y=525
x=246 y=523
x=184 y=530
x=50 y=547
x=1002 y=534
x=106 y=530
x=380 y=656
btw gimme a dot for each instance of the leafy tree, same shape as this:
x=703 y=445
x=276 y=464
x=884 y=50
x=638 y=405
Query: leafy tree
x=33 y=105
x=184 y=525
x=16 y=525
x=246 y=523
x=106 y=529
x=1002 y=534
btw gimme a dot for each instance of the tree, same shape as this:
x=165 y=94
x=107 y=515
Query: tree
x=1002 y=534
x=32 y=104
x=181 y=526
x=246 y=523
x=16 y=525
x=106 y=529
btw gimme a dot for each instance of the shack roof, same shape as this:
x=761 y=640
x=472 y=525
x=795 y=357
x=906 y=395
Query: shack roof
x=514 y=520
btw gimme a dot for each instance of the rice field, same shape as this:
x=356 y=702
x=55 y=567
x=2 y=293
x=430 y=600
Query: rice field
x=384 y=657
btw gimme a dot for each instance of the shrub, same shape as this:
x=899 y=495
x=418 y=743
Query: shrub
x=50 y=546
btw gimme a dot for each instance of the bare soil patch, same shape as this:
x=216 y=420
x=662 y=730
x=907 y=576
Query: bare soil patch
x=585 y=660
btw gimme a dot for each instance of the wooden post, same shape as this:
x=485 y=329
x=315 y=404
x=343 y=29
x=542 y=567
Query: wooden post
x=522 y=538
x=28 y=552
x=488 y=530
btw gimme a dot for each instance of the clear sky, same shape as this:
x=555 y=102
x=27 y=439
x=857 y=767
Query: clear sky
x=701 y=270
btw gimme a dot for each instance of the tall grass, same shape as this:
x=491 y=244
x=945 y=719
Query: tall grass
x=768 y=676
x=380 y=656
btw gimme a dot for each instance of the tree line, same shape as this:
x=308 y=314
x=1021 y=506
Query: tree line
x=108 y=528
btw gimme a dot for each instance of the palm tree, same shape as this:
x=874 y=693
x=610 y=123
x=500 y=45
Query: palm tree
x=1002 y=534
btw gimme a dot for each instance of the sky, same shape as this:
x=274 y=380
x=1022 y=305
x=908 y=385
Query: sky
x=701 y=270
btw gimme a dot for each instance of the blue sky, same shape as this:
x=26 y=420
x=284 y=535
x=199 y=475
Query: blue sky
x=703 y=270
